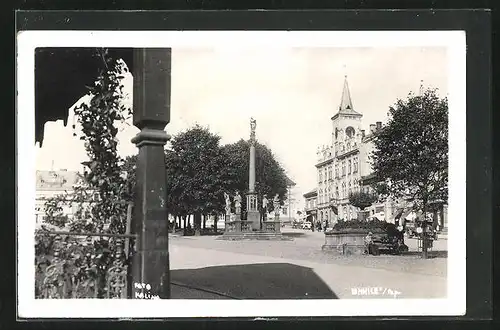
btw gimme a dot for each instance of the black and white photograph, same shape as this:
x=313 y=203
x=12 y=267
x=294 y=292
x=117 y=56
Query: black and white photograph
x=272 y=173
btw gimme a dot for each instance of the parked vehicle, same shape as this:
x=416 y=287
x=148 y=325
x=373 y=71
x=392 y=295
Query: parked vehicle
x=391 y=241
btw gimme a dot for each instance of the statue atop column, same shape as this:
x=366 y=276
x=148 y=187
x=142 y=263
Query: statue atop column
x=237 y=203
x=276 y=203
x=253 y=125
x=228 y=203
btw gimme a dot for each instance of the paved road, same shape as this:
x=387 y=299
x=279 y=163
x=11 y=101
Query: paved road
x=410 y=275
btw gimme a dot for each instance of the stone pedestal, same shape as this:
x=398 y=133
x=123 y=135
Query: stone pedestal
x=345 y=243
x=253 y=214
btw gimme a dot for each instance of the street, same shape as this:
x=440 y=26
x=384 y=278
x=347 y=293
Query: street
x=229 y=268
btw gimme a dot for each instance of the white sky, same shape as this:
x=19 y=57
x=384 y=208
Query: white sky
x=291 y=92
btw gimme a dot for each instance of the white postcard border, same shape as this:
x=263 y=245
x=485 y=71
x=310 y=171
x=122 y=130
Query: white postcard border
x=29 y=307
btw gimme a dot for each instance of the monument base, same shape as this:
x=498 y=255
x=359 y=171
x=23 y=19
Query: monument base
x=260 y=235
x=254 y=218
x=242 y=230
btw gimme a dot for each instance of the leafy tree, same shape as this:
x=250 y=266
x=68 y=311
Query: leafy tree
x=411 y=151
x=196 y=180
x=270 y=176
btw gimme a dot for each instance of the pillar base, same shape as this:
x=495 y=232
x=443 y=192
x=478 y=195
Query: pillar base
x=253 y=213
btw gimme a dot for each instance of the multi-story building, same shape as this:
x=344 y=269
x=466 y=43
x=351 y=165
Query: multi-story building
x=50 y=184
x=310 y=205
x=344 y=167
x=341 y=164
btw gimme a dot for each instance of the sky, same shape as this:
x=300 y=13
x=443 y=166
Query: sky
x=291 y=92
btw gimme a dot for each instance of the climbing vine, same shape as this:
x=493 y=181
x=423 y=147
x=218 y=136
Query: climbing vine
x=100 y=199
x=97 y=119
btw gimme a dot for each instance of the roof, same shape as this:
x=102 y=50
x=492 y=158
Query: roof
x=56 y=180
x=346 y=106
x=289 y=182
x=311 y=193
x=61 y=77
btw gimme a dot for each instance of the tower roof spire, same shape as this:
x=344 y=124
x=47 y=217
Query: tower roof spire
x=346 y=102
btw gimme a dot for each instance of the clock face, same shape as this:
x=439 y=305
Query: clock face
x=349 y=132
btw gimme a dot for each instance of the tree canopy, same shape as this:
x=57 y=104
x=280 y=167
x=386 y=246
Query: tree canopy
x=199 y=170
x=195 y=172
x=270 y=177
x=411 y=151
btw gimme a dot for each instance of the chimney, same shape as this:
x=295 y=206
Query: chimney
x=373 y=127
x=379 y=125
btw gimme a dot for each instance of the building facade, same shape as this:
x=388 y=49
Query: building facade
x=310 y=199
x=51 y=184
x=344 y=166
x=343 y=162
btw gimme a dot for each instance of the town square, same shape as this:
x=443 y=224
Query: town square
x=212 y=182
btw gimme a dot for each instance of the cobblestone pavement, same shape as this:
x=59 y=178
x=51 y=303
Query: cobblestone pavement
x=409 y=275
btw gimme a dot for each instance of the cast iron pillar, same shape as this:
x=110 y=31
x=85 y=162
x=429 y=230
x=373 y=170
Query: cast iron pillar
x=151 y=98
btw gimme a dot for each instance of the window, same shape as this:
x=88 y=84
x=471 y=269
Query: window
x=336 y=171
x=320 y=175
x=355 y=165
x=337 y=192
x=349 y=131
x=326 y=175
x=343 y=168
x=349 y=167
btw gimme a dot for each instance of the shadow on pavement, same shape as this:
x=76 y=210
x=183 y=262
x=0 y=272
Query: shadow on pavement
x=430 y=254
x=292 y=234
x=257 y=281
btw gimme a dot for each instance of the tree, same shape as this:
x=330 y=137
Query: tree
x=411 y=151
x=270 y=176
x=362 y=200
x=195 y=177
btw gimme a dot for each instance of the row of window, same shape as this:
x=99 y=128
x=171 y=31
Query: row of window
x=347 y=167
x=347 y=214
x=324 y=195
x=310 y=204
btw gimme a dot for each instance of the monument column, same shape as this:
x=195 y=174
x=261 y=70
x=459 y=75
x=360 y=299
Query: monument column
x=252 y=210
x=150 y=265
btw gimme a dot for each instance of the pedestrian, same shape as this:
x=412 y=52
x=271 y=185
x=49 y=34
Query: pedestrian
x=368 y=243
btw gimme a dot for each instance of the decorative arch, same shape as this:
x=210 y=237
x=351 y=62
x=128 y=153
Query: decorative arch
x=350 y=132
